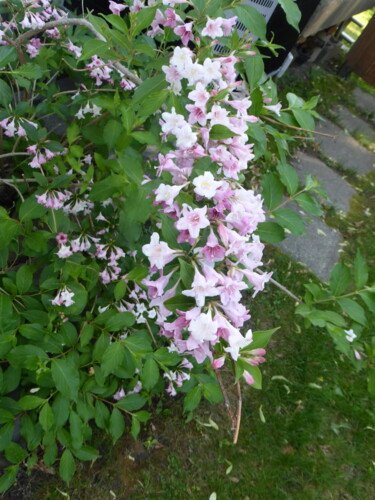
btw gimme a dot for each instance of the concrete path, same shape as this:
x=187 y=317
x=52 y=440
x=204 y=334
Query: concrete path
x=344 y=149
x=319 y=248
x=338 y=190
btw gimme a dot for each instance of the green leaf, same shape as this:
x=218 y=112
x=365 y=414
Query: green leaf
x=120 y=290
x=116 y=424
x=137 y=274
x=288 y=177
x=193 y=398
x=321 y=318
x=353 y=310
x=254 y=67
x=93 y=47
x=8 y=478
x=111 y=133
x=293 y=14
x=180 y=302
x=30 y=71
x=46 y=417
x=136 y=427
x=150 y=374
x=290 y=220
x=30 y=402
x=219 y=132
x=252 y=19
x=8 y=54
x=304 y=119
x=113 y=357
x=294 y=100
x=186 y=273
x=261 y=338
x=154 y=102
x=132 y=402
x=67 y=466
x=6 y=94
x=212 y=393
x=86 y=335
x=270 y=232
x=309 y=204
x=24 y=279
x=76 y=430
x=339 y=279
x=66 y=377
x=15 y=453
x=146 y=138
x=119 y=321
x=27 y=356
x=141 y=20
x=31 y=209
x=272 y=190
x=151 y=85
x=106 y=188
x=360 y=271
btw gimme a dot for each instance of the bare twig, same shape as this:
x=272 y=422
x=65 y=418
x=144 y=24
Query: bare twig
x=228 y=406
x=283 y=288
x=297 y=128
x=6 y=155
x=238 y=413
x=10 y=184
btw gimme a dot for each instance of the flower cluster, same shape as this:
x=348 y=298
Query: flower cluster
x=220 y=221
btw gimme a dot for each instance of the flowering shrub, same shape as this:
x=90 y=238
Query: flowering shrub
x=128 y=232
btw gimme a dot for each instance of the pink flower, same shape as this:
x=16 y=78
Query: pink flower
x=248 y=378
x=193 y=220
x=126 y=84
x=64 y=252
x=204 y=328
x=275 y=108
x=212 y=251
x=77 y=51
x=61 y=238
x=200 y=95
x=156 y=288
x=258 y=280
x=33 y=47
x=158 y=252
x=230 y=290
x=185 y=32
x=213 y=28
x=116 y=8
x=227 y=25
x=218 y=363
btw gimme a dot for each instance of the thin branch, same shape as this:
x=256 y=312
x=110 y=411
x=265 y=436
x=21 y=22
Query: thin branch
x=239 y=412
x=7 y=155
x=283 y=288
x=297 y=128
x=75 y=22
x=226 y=399
x=10 y=184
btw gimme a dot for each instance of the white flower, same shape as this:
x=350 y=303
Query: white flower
x=66 y=297
x=96 y=110
x=211 y=71
x=173 y=121
x=64 y=252
x=80 y=115
x=206 y=186
x=203 y=328
x=194 y=73
x=182 y=58
x=186 y=138
x=158 y=252
x=350 y=335
x=167 y=194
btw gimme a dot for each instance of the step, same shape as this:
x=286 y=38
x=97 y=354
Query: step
x=318 y=249
x=353 y=123
x=338 y=190
x=343 y=149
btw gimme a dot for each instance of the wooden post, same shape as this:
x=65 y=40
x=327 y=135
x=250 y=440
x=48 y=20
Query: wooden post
x=361 y=57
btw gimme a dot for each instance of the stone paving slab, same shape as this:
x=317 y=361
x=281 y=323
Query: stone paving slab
x=318 y=249
x=365 y=101
x=344 y=149
x=353 y=123
x=338 y=190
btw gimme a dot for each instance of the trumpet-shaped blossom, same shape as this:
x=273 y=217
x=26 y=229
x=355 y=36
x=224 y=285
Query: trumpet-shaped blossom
x=192 y=220
x=158 y=252
x=201 y=288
